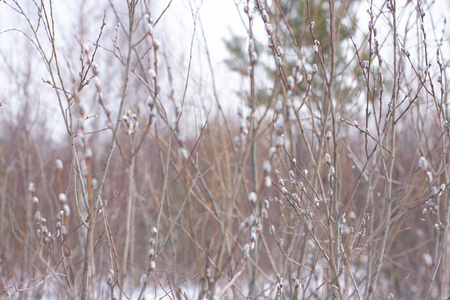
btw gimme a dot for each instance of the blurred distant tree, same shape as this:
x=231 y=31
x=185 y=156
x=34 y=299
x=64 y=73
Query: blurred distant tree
x=297 y=26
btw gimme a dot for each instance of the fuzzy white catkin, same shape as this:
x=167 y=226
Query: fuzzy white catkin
x=152 y=74
x=66 y=210
x=290 y=82
x=253 y=57
x=88 y=153
x=429 y=177
x=427 y=259
x=264 y=213
x=280 y=141
x=268 y=28
x=331 y=170
x=278 y=61
x=95 y=69
x=291 y=174
x=157 y=44
x=59 y=165
x=267 y=167
x=250 y=220
x=279 y=105
x=267 y=181
x=62 y=197
x=422 y=163
x=150 y=101
x=151 y=252
x=252 y=198
x=265 y=16
x=315 y=49
x=272 y=152
x=149 y=29
x=279 y=51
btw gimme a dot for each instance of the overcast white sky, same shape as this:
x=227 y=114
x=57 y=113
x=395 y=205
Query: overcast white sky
x=220 y=20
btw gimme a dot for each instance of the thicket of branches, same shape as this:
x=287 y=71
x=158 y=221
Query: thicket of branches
x=329 y=180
